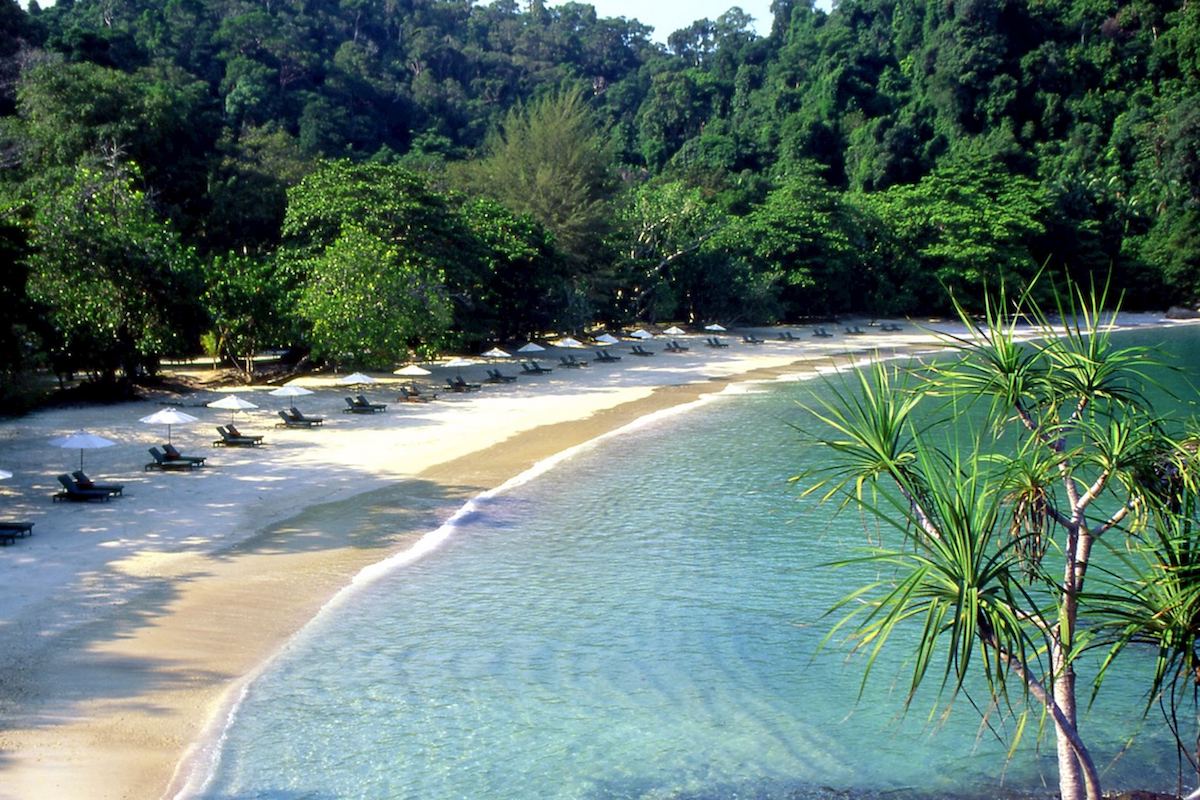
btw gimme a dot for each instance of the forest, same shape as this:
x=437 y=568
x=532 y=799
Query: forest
x=363 y=181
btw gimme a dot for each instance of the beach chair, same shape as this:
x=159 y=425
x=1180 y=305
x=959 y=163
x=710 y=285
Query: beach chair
x=752 y=339
x=460 y=385
x=11 y=529
x=713 y=341
x=788 y=336
x=360 y=405
x=534 y=368
x=605 y=357
x=363 y=402
x=569 y=361
x=84 y=482
x=890 y=327
x=495 y=376
x=292 y=418
x=174 y=455
x=821 y=333
x=411 y=394
x=638 y=350
x=675 y=347
x=72 y=492
x=232 y=437
x=855 y=331
x=161 y=462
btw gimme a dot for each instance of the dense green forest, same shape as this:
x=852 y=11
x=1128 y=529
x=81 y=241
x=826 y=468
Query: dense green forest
x=366 y=179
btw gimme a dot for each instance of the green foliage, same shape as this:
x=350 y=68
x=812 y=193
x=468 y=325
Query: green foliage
x=998 y=526
x=111 y=274
x=371 y=304
x=244 y=298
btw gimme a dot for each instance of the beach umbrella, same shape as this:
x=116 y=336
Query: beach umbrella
x=531 y=348
x=642 y=333
x=412 y=370
x=82 y=440
x=714 y=327
x=567 y=341
x=458 y=362
x=607 y=338
x=291 y=392
x=496 y=352
x=356 y=379
x=674 y=330
x=168 y=417
x=233 y=403
x=5 y=474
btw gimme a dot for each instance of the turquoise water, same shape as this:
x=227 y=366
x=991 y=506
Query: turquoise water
x=640 y=622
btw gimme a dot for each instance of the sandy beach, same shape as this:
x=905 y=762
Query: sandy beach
x=126 y=627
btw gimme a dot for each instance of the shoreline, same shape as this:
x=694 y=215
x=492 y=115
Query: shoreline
x=124 y=695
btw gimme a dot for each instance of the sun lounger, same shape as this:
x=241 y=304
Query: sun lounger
x=752 y=339
x=495 y=376
x=161 y=462
x=534 y=368
x=364 y=402
x=675 y=347
x=788 y=336
x=360 y=405
x=460 y=385
x=71 y=491
x=174 y=455
x=605 y=357
x=411 y=394
x=638 y=350
x=855 y=331
x=821 y=333
x=9 y=531
x=890 y=327
x=230 y=437
x=13 y=529
x=713 y=341
x=569 y=361
x=294 y=419
x=84 y=482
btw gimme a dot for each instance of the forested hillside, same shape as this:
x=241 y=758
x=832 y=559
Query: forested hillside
x=366 y=178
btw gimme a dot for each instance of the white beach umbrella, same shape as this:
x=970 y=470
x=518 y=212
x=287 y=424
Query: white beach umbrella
x=531 y=348
x=168 y=417
x=674 y=330
x=412 y=370
x=356 y=379
x=642 y=333
x=567 y=341
x=5 y=474
x=291 y=392
x=607 y=338
x=82 y=440
x=459 y=362
x=233 y=403
x=496 y=352
x=716 y=326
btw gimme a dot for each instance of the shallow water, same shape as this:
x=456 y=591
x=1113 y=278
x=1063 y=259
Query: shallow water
x=641 y=622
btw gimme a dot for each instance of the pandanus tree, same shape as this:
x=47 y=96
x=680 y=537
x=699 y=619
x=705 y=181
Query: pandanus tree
x=1001 y=469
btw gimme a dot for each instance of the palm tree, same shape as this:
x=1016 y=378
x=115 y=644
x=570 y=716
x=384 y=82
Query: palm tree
x=997 y=526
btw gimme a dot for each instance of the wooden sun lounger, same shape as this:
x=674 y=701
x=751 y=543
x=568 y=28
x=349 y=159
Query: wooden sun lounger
x=638 y=350
x=10 y=530
x=161 y=462
x=72 y=492
x=605 y=357
x=84 y=482
x=174 y=455
x=298 y=420
x=231 y=439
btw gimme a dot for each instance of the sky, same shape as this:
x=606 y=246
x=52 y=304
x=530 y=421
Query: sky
x=668 y=16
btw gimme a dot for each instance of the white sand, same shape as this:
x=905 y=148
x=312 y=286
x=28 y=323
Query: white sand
x=123 y=625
